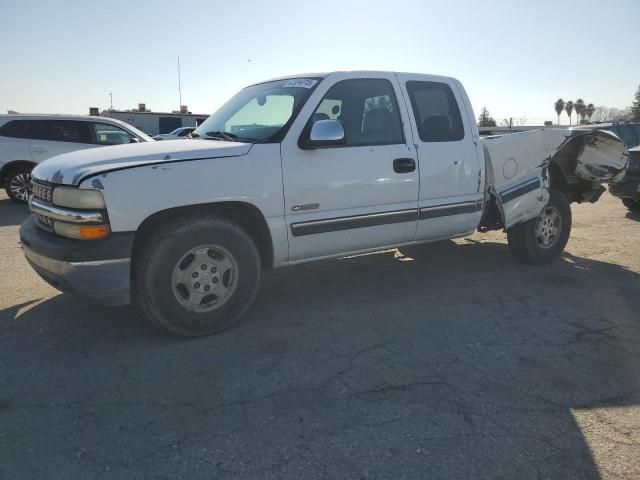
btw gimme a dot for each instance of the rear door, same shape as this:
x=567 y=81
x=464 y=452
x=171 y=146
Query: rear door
x=55 y=137
x=447 y=140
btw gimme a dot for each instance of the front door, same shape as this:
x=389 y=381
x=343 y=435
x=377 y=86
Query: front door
x=349 y=198
x=451 y=174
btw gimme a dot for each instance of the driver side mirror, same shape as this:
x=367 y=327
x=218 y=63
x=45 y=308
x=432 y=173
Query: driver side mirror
x=134 y=140
x=323 y=133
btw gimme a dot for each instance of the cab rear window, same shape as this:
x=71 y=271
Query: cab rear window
x=436 y=111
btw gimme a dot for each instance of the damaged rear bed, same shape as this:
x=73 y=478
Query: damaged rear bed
x=522 y=167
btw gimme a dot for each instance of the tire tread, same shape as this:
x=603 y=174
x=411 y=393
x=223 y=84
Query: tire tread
x=142 y=297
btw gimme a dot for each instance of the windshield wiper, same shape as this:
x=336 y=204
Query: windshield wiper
x=229 y=137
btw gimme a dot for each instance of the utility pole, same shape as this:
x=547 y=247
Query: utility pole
x=110 y=101
x=179 y=85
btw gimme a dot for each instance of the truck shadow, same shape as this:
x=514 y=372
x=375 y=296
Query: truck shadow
x=446 y=360
x=12 y=213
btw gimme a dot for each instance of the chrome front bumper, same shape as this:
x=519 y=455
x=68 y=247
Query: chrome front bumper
x=65 y=214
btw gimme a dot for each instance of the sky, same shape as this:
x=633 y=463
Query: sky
x=513 y=57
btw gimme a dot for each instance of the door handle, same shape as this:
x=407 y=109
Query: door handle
x=404 y=165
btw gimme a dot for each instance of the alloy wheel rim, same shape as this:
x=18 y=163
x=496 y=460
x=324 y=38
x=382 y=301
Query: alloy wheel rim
x=548 y=227
x=204 y=278
x=20 y=186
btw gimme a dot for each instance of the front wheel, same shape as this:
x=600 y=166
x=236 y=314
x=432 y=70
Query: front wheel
x=631 y=204
x=197 y=275
x=541 y=240
x=18 y=185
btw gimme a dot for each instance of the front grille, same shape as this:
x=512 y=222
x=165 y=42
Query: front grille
x=42 y=191
x=44 y=222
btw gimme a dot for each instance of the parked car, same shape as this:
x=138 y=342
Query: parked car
x=628 y=188
x=295 y=170
x=629 y=132
x=177 y=134
x=26 y=140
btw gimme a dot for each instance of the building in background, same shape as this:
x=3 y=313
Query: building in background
x=154 y=123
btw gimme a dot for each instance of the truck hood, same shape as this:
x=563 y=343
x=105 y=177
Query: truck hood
x=72 y=168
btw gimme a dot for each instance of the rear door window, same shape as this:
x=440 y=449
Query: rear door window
x=15 y=129
x=436 y=111
x=60 y=131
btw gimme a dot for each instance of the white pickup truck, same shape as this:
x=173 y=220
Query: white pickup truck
x=294 y=170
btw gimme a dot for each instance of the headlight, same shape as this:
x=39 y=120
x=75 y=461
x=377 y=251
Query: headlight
x=78 y=198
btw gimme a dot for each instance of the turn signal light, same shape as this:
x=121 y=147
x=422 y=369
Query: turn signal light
x=92 y=232
x=84 y=232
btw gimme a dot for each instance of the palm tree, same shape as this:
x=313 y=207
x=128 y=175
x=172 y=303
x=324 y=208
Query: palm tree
x=559 y=106
x=579 y=107
x=568 y=107
x=589 y=111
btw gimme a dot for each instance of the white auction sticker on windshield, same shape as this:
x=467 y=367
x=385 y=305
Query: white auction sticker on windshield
x=300 y=82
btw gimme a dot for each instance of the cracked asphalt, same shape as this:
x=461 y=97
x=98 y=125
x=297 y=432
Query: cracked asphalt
x=443 y=361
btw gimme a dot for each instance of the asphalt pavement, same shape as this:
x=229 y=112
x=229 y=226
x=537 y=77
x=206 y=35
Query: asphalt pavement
x=443 y=361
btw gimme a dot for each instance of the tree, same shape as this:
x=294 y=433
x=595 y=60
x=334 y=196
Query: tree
x=635 y=107
x=603 y=114
x=588 y=111
x=600 y=114
x=579 y=107
x=485 y=119
x=559 y=106
x=568 y=107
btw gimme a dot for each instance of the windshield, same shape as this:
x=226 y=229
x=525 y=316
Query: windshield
x=176 y=131
x=260 y=112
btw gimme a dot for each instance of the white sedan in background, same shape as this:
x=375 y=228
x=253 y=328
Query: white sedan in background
x=177 y=134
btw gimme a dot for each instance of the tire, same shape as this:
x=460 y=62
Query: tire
x=538 y=243
x=631 y=204
x=169 y=278
x=18 y=185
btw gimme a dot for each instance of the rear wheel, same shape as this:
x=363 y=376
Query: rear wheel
x=18 y=185
x=631 y=204
x=197 y=275
x=541 y=240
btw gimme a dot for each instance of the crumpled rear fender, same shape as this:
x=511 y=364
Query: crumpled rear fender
x=593 y=155
x=518 y=166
